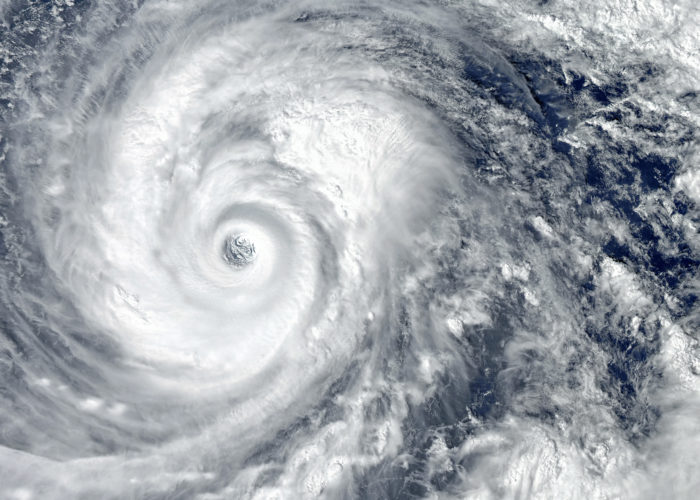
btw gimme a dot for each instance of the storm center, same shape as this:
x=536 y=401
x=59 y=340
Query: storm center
x=239 y=250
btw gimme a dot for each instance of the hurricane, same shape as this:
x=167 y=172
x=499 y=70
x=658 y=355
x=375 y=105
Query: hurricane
x=349 y=249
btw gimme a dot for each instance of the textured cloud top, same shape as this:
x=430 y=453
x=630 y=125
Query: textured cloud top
x=349 y=249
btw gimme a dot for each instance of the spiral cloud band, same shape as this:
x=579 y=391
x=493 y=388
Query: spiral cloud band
x=349 y=249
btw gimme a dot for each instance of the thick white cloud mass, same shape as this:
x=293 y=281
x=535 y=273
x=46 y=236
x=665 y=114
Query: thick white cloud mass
x=349 y=249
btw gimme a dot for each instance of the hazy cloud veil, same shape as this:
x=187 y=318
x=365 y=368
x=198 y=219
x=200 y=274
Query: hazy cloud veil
x=349 y=249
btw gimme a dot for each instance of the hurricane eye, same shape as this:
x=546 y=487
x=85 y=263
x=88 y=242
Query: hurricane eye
x=239 y=251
